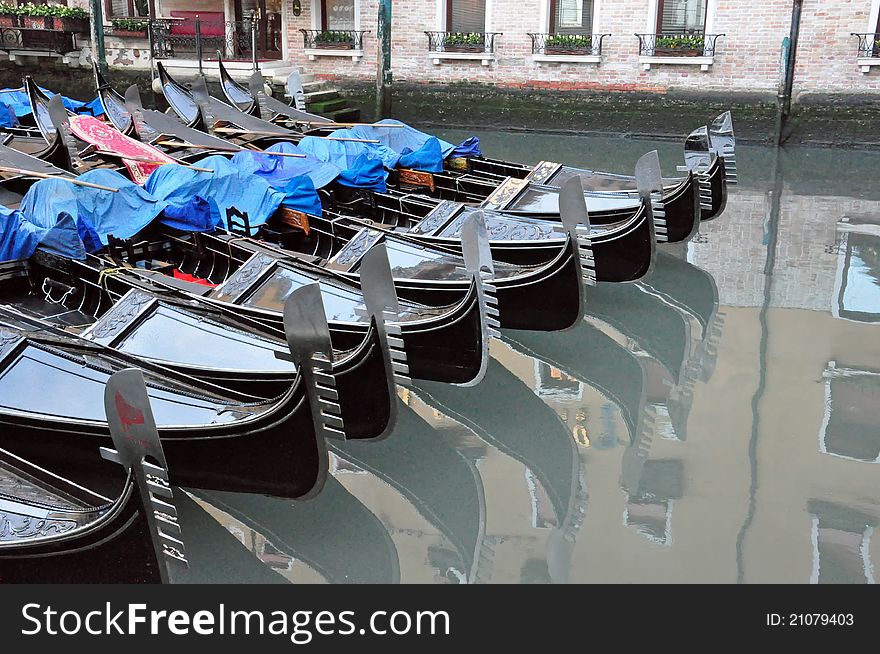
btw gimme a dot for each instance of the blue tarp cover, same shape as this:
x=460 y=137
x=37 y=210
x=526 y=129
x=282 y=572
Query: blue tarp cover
x=403 y=147
x=279 y=171
x=227 y=188
x=15 y=104
x=366 y=173
x=19 y=237
x=96 y=213
x=470 y=147
x=399 y=139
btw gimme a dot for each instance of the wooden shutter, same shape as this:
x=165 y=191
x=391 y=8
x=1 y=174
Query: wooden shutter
x=466 y=16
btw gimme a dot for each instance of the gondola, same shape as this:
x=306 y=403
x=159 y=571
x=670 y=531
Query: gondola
x=442 y=484
x=55 y=529
x=334 y=533
x=212 y=437
x=47 y=146
x=620 y=252
x=254 y=101
x=704 y=160
x=192 y=338
x=443 y=343
x=112 y=102
x=553 y=458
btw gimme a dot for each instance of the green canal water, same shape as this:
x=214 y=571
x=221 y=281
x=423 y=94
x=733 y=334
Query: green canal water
x=718 y=422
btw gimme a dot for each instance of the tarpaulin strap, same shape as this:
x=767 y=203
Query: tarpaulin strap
x=107 y=272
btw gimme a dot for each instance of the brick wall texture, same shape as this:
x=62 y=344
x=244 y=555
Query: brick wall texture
x=747 y=58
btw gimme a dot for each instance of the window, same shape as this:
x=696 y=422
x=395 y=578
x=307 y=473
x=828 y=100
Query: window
x=677 y=16
x=338 y=14
x=841 y=539
x=466 y=16
x=571 y=16
x=857 y=283
x=125 y=8
x=649 y=509
x=852 y=410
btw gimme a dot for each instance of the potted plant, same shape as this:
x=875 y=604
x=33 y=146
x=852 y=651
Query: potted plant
x=679 y=45
x=37 y=17
x=8 y=15
x=72 y=19
x=129 y=27
x=568 y=44
x=334 y=40
x=464 y=42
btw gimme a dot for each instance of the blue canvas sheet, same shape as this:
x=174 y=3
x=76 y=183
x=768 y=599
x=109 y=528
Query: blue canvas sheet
x=96 y=214
x=280 y=171
x=406 y=139
x=226 y=190
x=400 y=139
x=19 y=237
x=15 y=104
x=360 y=166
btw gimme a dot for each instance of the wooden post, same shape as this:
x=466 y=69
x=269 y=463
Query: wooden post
x=97 y=28
x=788 y=78
x=383 y=61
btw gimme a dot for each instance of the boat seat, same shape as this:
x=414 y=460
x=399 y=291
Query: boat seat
x=180 y=284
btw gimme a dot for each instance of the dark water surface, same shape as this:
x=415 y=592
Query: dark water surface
x=719 y=422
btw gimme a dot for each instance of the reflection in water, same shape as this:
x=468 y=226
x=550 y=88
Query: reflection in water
x=543 y=445
x=352 y=547
x=717 y=421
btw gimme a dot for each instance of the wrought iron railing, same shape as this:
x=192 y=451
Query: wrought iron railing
x=24 y=38
x=688 y=44
x=462 y=41
x=334 y=39
x=869 y=44
x=202 y=39
x=567 y=44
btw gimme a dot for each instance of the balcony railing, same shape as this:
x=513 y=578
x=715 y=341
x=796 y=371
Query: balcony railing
x=462 y=41
x=241 y=40
x=567 y=44
x=869 y=45
x=44 y=40
x=333 y=39
x=690 y=44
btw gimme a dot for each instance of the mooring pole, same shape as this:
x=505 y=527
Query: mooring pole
x=383 y=61
x=254 y=28
x=788 y=79
x=97 y=32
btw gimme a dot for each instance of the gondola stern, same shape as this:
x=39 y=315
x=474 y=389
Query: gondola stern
x=139 y=450
x=649 y=182
x=308 y=339
x=380 y=299
x=723 y=142
x=478 y=262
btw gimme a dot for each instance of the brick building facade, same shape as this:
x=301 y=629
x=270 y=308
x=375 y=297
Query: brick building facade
x=746 y=58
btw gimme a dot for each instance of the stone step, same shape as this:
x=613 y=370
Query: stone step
x=325 y=95
x=328 y=106
x=348 y=115
x=315 y=85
